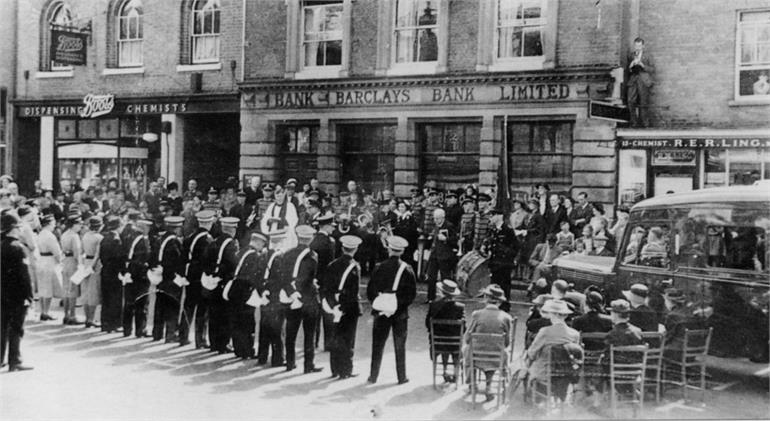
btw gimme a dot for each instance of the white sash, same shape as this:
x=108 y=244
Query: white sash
x=345 y=274
x=229 y=285
x=133 y=246
x=195 y=241
x=269 y=265
x=222 y=253
x=301 y=256
x=163 y=247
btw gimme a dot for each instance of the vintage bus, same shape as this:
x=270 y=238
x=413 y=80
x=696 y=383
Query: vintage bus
x=711 y=243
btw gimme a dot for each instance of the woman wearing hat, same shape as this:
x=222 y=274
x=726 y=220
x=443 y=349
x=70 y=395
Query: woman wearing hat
x=72 y=248
x=48 y=267
x=446 y=308
x=91 y=287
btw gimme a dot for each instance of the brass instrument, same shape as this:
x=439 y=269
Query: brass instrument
x=461 y=238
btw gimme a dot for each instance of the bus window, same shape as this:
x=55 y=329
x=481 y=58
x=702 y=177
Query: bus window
x=648 y=245
x=693 y=243
x=737 y=247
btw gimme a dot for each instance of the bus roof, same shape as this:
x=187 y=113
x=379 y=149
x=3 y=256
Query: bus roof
x=755 y=194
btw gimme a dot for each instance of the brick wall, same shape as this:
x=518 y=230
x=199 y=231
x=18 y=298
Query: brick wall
x=693 y=46
x=584 y=38
x=162 y=23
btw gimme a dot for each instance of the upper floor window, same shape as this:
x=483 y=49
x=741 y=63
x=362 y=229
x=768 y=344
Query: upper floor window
x=519 y=28
x=61 y=15
x=205 y=31
x=753 y=48
x=322 y=34
x=130 y=33
x=416 y=31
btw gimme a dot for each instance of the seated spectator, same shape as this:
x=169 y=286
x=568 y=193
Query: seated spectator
x=588 y=239
x=654 y=253
x=490 y=319
x=623 y=333
x=595 y=320
x=446 y=308
x=641 y=316
x=542 y=257
x=678 y=317
x=565 y=238
x=536 y=321
x=600 y=249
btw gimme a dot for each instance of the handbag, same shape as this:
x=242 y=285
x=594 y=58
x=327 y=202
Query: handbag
x=387 y=303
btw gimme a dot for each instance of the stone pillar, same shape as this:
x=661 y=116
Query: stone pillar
x=594 y=161
x=443 y=36
x=172 y=149
x=329 y=171
x=46 y=151
x=292 y=38
x=406 y=164
x=259 y=150
x=489 y=153
x=484 y=45
x=347 y=42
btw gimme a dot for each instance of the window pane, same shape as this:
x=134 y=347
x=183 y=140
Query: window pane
x=632 y=175
x=87 y=129
x=744 y=166
x=763 y=53
x=755 y=17
x=428 y=45
x=531 y=9
x=313 y=54
x=405 y=46
x=333 y=53
x=747 y=53
x=216 y=21
x=123 y=29
x=715 y=161
x=406 y=13
x=311 y=23
x=506 y=11
x=133 y=26
x=754 y=82
x=532 y=169
x=198 y=23
x=648 y=245
x=333 y=18
x=108 y=129
x=208 y=22
x=66 y=129
x=520 y=136
x=532 y=44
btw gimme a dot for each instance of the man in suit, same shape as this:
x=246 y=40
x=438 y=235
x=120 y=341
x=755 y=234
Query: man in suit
x=242 y=211
x=641 y=315
x=340 y=292
x=324 y=246
x=391 y=276
x=253 y=190
x=15 y=291
x=640 y=70
x=581 y=214
x=113 y=257
x=298 y=269
x=196 y=247
x=446 y=308
x=443 y=254
x=554 y=215
x=454 y=212
x=678 y=318
x=502 y=247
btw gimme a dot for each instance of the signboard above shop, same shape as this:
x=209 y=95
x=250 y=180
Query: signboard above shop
x=692 y=139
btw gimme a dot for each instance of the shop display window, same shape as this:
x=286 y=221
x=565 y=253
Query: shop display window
x=299 y=139
x=540 y=152
x=632 y=175
x=735 y=167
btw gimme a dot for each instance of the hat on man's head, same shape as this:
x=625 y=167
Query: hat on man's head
x=560 y=285
x=133 y=214
x=145 y=222
x=267 y=187
x=468 y=199
x=74 y=218
x=493 y=292
x=113 y=222
x=258 y=235
x=47 y=219
x=448 y=287
x=415 y=190
x=304 y=231
x=241 y=193
x=314 y=203
x=601 y=236
x=291 y=181
x=594 y=300
x=325 y=219
x=556 y=307
x=205 y=216
x=8 y=221
x=541 y=299
x=95 y=223
x=173 y=221
x=315 y=193
x=675 y=295
x=350 y=242
x=620 y=306
x=229 y=221
x=638 y=290
x=451 y=195
x=213 y=191
x=483 y=197
x=397 y=243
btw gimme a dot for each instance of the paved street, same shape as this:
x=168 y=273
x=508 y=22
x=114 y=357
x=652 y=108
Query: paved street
x=85 y=374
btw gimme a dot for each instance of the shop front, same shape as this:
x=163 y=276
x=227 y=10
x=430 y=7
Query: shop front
x=127 y=139
x=399 y=133
x=656 y=162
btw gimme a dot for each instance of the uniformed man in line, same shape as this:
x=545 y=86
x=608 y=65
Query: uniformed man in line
x=298 y=269
x=169 y=255
x=391 y=276
x=340 y=292
x=113 y=257
x=135 y=283
x=241 y=211
x=273 y=311
x=467 y=224
x=454 y=211
x=311 y=212
x=196 y=246
x=482 y=220
x=502 y=246
x=222 y=260
x=15 y=291
x=324 y=246
x=241 y=314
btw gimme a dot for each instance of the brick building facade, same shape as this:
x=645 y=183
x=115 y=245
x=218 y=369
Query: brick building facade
x=166 y=71
x=394 y=93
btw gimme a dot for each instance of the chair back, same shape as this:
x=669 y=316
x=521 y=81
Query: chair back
x=512 y=337
x=697 y=342
x=654 y=341
x=446 y=342
x=593 y=338
x=487 y=348
x=627 y=363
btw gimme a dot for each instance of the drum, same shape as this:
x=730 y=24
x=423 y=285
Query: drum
x=472 y=273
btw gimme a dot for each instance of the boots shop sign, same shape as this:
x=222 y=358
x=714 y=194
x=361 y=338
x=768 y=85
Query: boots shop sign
x=68 y=47
x=94 y=105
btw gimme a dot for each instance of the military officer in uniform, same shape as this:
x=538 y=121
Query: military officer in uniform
x=135 y=283
x=221 y=259
x=340 y=292
x=241 y=314
x=454 y=211
x=168 y=254
x=502 y=247
x=265 y=200
x=113 y=257
x=392 y=276
x=481 y=223
x=298 y=271
x=195 y=248
x=324 y=246
x=272 y=312
x=15 y=291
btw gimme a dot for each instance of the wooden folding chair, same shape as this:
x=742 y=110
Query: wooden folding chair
x=627 y=366
x=592 y=358
x=654 y=370
x=487 y=352
x=453 y=343
x=691 y=361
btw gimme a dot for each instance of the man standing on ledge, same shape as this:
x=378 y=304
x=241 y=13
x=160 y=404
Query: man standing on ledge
x=640 y=69
x=15 y=291
x=394 y=279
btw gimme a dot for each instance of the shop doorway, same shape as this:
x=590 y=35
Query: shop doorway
x=211 y=149
x=298 y=145
x=673 y=171
x=368 y=155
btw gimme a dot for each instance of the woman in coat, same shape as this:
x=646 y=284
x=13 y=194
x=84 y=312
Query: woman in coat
x=48 y=266
x=91 y=287
x=72 y=249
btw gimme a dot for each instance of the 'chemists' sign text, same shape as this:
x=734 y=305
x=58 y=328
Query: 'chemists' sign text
x=707 y=142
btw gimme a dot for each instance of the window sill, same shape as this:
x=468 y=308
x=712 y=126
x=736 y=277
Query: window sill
x=55 y=75
x=535 y=63
x=414 y=68
x=742 y=102
x=325 y=72
x=199 y=67
x=122 y=71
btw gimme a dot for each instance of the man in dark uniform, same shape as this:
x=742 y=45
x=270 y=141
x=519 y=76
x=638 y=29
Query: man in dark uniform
x=221 y=259
x=195 y=247
x=467 y=227
x=443 y=254
x=169 y=257
x=324 y=247
x=15 y=291
x=340 y=294
x=392 y=276
x=134 y=279
x=312 y=210
x=266 y=199
x=241 y=211
x=113 y=257
x=454 y=212
x=272 y=312
x=641 y=316
x=241 y=313
x=502 y=245
x=298 y=268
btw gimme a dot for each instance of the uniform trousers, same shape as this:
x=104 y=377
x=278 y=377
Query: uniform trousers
x=307 y=316
x=438 y=270
x=341 y=352
x=112 y=303
x=134 y=310
x=329 y=330
x=219 y=324
x=165 y=318
x=380 y=332
x=242 y=327
x=194 y=305
x=501 y=275
x=271 y=321
x=11 y=331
